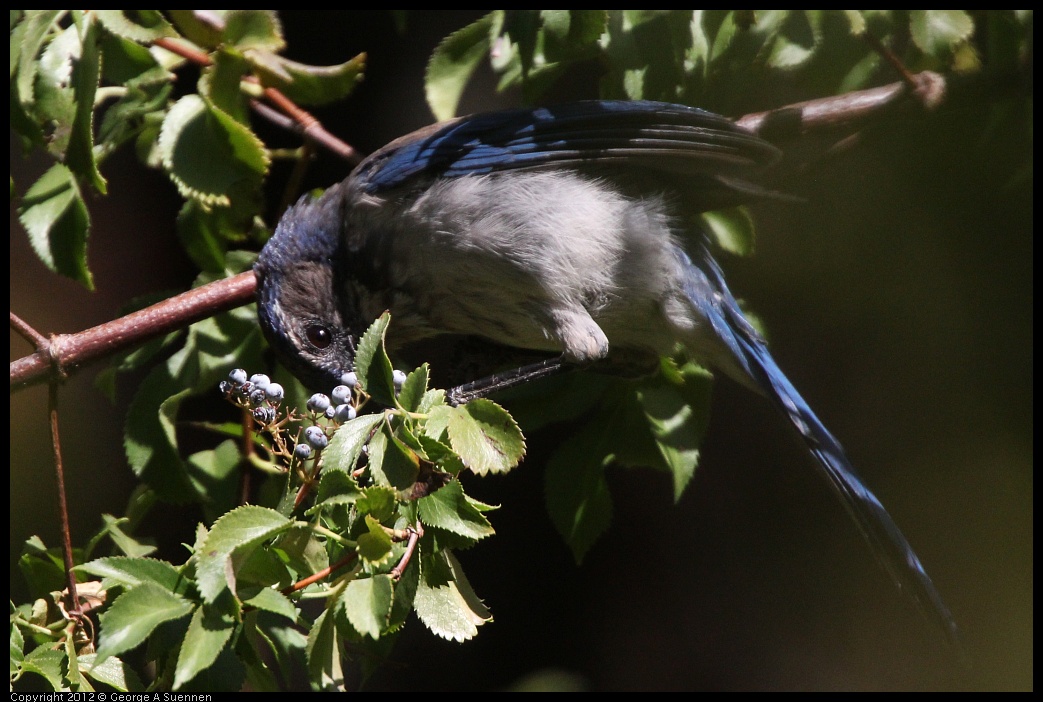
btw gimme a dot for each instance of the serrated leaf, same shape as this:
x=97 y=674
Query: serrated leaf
x=195 y=28
x=253 y=29
x=112 y=672
x=732 y=229
x=450 y=509
x=452 y=610
x=234 y=535
x=85 y=75
x=273 y=601
x=55 y=217
x=220 y=84
x=485 y=436
x=308 y=85
x=324 y=653
x=47 y=663
x=413 y=389
x=377 y=501
x=372 y=364
x=207 y=154
x=374 y=546
x=208 y=633
x=134 y=615
x=129 y=573
x=397 y=464
x=454 y=61
x=937 y=32
x=142 y=26
x=798 y=36
x=345 y=447
x=367 y=604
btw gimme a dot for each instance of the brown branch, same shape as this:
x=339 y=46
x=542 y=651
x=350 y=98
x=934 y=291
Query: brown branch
x=845 y=110
x=63 y=504
x=316 y=577
x=27 y=332
x=65 y=351
x=305 y=123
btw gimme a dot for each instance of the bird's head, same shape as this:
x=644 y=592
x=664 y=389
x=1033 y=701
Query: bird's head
x=299 y=298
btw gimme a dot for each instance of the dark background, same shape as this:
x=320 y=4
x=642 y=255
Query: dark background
x=899 y=300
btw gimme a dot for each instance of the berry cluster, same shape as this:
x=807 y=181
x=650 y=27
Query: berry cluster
x=325 y=413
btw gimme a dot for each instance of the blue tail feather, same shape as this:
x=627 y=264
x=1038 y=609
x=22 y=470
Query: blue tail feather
x=704 y=281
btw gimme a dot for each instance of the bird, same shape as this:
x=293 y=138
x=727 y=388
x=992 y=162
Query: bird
x=570 y=233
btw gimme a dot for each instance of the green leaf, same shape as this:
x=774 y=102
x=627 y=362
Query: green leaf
x=231 y=539
x=678 y=413
x=412 y=392
x=47 y=663
x=454 y=61
x=196 y=29
x=374 y=546
x=450 y=610
x=134 y=615
x=367 y=604
x=114 y=529
x=273 y=601
x=938 y=32
x=486 y=437
x=208 y=633
x=112 y=672
x=397 y=465
x=345 y=447
x=220 y=84
x=208 y=155
x=377 y=501
x=141 y=26
x=27 y=40
x=797 y=37
x=55 y=217
x=324 y=653
x=86 y=71
x=216 y=476
x=372 y=364
x=43 y=568
x=308 y=85
x=254 y=29
x=130 y=573
x=733 y=229
x=450 y=509
x=578 y=500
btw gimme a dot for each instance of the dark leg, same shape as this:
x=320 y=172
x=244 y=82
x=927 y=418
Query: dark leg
x=507 y=379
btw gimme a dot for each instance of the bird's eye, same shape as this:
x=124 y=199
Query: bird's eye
x=318 y=336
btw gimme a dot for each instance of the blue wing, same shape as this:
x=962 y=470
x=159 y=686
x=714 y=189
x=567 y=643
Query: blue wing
x=706 y=288
x=661 y=136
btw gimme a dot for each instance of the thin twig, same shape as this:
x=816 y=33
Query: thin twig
x=324 y=573
x=27 y=332
x=414 y=536
x=63 y=505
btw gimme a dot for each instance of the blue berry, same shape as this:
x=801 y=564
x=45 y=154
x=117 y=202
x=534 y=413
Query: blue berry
x=225 y=387
x=237 y=376
x=340 y=395
x=350 y=379
x=257 y=398
x=260 y=380
x=318 y=402
x=330 y=411
x=264 y=415
x=275 y=392
x=316 y=437
x=398 y=377
x=345 y=413
x=302 y=451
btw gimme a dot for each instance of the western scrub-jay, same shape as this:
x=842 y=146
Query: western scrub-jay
x=569 y=230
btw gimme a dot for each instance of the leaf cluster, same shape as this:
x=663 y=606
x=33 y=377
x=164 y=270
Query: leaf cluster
x=310 y=582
